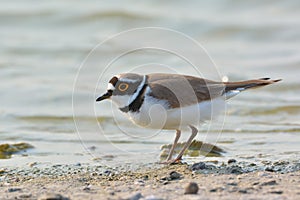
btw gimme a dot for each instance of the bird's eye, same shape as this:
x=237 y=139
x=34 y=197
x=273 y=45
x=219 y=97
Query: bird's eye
x=123 y=87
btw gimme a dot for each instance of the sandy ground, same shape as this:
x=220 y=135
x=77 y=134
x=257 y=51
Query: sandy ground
x=149 y=184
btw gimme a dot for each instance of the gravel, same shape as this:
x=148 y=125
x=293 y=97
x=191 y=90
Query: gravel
x=84 y=181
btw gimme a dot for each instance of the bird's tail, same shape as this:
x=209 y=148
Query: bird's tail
x=234 y=88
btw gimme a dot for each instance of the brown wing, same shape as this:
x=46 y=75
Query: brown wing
x=181 y=90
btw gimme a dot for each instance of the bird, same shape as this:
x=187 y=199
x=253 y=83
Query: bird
x=173 y=101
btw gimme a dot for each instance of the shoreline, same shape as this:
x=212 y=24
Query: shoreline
x=231 y=180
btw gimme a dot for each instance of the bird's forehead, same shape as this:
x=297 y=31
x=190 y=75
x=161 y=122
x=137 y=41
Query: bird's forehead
x=127 y=80
x=130 y=77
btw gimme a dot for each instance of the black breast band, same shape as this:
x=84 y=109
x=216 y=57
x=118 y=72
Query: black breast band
x=138 y=102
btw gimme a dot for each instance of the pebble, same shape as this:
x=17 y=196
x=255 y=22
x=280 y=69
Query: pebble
x=107 y=172
x=273 y=182
x=269 y=169
x=14 y=189
x=92 y=148
x=152 y=197
x=52 y=197
x=231 y=161
x=137 y=196
x=198 y=166
x=232 y=184
x=175 y=175
x=255 y=183
x=235 y=170
x=146 y=177
x=276 y=192
x=32 y=164
x=111 y=193
x=96 y=159
x=87 y=188
x=213 y=190
x=242 y=191
x=25 y=196
x=191 y=188
x=216 y=189
x=139 y=182
x=172 y=176
x=281 y=162
x=165 y=183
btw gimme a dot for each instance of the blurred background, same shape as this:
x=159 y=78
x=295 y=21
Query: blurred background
x=43 y=43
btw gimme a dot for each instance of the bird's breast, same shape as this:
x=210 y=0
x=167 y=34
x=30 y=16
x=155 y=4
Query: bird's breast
x=157 y=114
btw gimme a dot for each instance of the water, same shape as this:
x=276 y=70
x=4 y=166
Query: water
x=44 y=43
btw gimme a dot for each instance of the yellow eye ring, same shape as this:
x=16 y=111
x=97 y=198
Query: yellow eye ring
x=123 y=87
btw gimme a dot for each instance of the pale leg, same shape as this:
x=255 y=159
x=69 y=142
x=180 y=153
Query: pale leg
x=188 y=143
x=178 y=133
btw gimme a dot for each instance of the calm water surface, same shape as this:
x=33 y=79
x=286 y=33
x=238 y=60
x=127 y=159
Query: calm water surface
x=43 y=43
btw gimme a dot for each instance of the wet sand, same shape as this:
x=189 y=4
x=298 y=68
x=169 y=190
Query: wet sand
x=233 y=180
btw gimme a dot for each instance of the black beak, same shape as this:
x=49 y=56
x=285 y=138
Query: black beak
x=104 y=96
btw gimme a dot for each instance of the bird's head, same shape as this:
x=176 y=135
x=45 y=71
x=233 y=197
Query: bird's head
x=122 y=89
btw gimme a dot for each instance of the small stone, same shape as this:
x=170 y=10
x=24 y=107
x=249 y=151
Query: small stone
x=216 y=189
x=87 y=188
x=165 y=182
x=269 y=169
x=174 y=175
x=198 y=166
x=281 y=162
x=231 y=161
x=273 y=182
x=32 y=164
x=276 y=192
x=25 y=196
x=235 y=170
x=139 y=182
x=92 y=148
x=213 y=190
x=94 y=174
x=96 y=159
x=14 y=189
x=145 y=178
x=243 y=191
x=137 y=196
x=52 y=197
x=191 y=188
x=2 y=171
x=232 y=183
x=107 y=172
x=152 y=197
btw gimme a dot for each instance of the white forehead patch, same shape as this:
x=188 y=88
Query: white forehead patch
x=128 y=80
x=110 y=87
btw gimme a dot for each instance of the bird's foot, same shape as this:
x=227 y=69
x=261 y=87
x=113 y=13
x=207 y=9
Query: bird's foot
x=171 y=162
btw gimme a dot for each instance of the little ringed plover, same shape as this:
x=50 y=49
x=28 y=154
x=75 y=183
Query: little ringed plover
x=173 y=101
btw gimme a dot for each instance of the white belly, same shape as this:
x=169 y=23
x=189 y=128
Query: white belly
x=156 y=114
